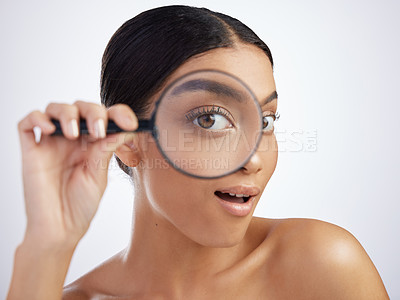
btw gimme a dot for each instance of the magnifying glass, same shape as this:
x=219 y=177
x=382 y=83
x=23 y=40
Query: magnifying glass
x=206 y=124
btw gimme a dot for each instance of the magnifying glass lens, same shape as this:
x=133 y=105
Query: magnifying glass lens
x=208 y=124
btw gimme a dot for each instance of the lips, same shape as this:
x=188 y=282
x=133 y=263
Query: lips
x=240 y=191
x=231 y=197
x=237 y=200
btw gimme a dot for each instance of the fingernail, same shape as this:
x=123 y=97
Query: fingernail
x=37 y=131
x=99 y=128
x=73 y=128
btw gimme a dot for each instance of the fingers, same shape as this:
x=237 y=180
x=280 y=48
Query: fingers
x=36 y=118
x=96 y=118
x=94 y=150
x=123 y=116
x=68 y=115
x=101 y=152
x=32 y=120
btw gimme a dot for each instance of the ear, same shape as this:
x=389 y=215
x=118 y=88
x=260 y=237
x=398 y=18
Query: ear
x=129 y=153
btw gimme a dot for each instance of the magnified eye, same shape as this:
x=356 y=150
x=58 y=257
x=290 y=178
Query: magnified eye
x=268 y=123
x=212 y=121
x=211 y=117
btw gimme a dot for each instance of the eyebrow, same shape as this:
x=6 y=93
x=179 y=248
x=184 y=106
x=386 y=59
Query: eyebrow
x=216 y=88
x=209 y=86
x=273 y=96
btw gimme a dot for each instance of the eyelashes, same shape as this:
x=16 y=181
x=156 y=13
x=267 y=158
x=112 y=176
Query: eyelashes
x=207 y=110
x=216 y=118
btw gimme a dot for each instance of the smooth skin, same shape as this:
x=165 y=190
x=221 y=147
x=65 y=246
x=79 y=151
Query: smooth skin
x=184 y=245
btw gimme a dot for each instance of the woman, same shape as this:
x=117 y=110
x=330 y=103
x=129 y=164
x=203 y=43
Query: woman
x=184 y=244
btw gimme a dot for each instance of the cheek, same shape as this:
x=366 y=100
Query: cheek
x=169 y=191
x=183 y=201
x=268 y=149
x=188 y=203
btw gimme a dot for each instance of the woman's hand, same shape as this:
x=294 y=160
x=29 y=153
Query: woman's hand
x=64 y=180
x=65 y=177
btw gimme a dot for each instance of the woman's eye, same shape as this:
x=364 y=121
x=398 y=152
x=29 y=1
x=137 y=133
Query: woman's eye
x=212 y=121
x=268 y=123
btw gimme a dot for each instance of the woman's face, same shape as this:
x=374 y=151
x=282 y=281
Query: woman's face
x=190 y=203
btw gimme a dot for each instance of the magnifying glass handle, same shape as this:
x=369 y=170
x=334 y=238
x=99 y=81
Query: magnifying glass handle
x=111 y=127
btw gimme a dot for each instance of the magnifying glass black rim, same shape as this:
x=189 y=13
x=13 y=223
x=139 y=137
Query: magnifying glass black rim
x=150 y=124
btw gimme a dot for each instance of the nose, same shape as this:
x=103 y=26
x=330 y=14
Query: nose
x=254 y=165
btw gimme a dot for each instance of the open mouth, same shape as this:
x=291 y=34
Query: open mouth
x=230 y=197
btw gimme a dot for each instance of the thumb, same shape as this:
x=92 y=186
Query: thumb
x=100 y=153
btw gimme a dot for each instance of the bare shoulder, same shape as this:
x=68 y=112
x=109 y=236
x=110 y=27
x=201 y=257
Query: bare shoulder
x=319 y=260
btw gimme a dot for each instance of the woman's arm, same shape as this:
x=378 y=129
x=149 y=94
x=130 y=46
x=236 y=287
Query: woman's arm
x=64 y=180
x=40 y=272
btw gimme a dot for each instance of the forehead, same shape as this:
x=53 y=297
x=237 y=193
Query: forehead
x=247 y=62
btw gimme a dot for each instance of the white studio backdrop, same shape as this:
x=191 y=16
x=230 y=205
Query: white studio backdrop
x=337 y=72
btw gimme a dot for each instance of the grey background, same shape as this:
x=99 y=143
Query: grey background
x=337 y=73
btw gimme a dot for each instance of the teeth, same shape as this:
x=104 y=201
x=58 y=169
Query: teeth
x=238 y=195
